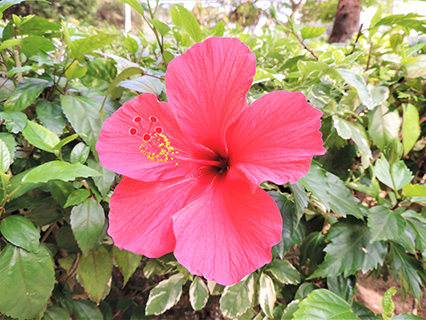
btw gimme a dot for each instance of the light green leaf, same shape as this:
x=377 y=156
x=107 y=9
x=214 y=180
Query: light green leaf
x=190 y=23
x=309 y=32
x=410 y=127
x=284 y=272
x=84 y=46
x=165 y=295
x=198 y=294
x=219 y=29
x=356 y=81
x=83 y=113
x=87 y=222
x=135 y=4
x=143 y=84
x=238 y=298
x=350 y=250
x=40 y=137
x=418 y=223
x=86 y=310
x=414 y=49
x=75 y=70
x=58 y=170
x=385 y=224
x=15 y=121
x=37 y=26
x=33 y=44
x=267 y=296
x=323 y=304
x=20 y=232
x=79 y=153
x=26 y=92
x=26 y=281
x=416 y=67
x=5 y=158
x=77 y=197
x=161 y=27
x=387 y=303
x=290 y=309
x=127 y=262
x=94 y=273
x=383 y=125
x=306 y=68
x=401 y=174
x=414 y=190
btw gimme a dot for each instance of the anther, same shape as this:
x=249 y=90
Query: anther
x=133 y=131
x=159 y=130
x=146 y=137
x=153 y=119
x=137 y=119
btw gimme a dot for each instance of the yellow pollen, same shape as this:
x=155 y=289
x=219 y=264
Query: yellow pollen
x=158 y=148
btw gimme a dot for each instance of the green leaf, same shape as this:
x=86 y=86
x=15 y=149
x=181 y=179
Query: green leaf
x=416 y=67
x=312 y=251
x=5 y=159
x=84 y=46
x=414 y=49
x=401 y=174
x=79 y=153
x=357 y=82
x=105 y=181
x=356 y=132
x=363 y=312
x=33 y=44
x=15 y=121
x=410 y=127
x=40 y=137
x=385 y=224
x=77 y=197
x=339 y=160
x=292 y=233
x=26 y=281
x=87 y=222
x=94 y=273
x=143 y=84
x=383 y=125
x=324 y=304
x=307 y=68
x=51 y=116
x=25 y=93
x=300 y=199
x=161 y=27
x=267 y=296
x=135 y=4
x=198 y=294
x=343 y=287
x=86 y=310
x=190 y=23
x=309 y=32
x=238 y=298
x=43 y=213
x=406 y=316
x=55 y=313
x=350 y=250
x=10 y=142
x=58 y=170
x=21 y=232
x=219 y=29
x=418 y=223
x=284 y=272
x=387 y=303
x=83 y=113
x=75 y=70
x=165 y=295
x=8 y=3
x=414 y=190
x=127 y=262
x=37 y=26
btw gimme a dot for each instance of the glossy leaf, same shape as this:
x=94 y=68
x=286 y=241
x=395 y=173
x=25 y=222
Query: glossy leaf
x=383 y=125
x=55 y=313
x=127 y=262
x=284 y=272
x=20 y=232
x=5 y=158
x=267 y=296
x=40 y=137
x=87 y=310
x=401 y=174
x=86 y=45
x=198 y=294
x=103 y=182
x=94 y=273
x=79 y=153
x=385 y=224
x=87 y=222
x=77 y=197
x=26 y=92
x=323 y=304
x=51 y=116
x=15 y=121
x=165 y=295
x=26 y=281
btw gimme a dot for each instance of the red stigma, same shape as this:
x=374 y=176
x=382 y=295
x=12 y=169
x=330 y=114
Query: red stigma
x=159 y=130
x=146 y=137
x=133 y=131
x=137 y=119
x=153 y=119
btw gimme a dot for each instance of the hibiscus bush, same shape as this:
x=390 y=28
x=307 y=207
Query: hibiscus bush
x=254 y=176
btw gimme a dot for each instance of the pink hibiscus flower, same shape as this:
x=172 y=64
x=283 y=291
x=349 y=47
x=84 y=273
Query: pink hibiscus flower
x=192 y=166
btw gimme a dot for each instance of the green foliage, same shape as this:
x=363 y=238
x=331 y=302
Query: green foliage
x=359 y=208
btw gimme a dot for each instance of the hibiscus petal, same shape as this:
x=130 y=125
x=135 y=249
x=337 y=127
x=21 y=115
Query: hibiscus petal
x=207 y=86
x=121 y=137
x=228 y=232
x=275 y=138
x=140 y=212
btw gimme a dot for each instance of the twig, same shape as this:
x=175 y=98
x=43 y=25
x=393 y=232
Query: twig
x=357 y=38
x=151 y=75
x=304 y=45
x=369 y=57
x=48 y=232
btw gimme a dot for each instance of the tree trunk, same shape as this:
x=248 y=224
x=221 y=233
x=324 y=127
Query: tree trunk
x=346 y=21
